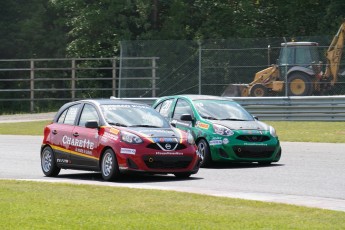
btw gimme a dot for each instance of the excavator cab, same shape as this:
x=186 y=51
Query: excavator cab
x=303 y=54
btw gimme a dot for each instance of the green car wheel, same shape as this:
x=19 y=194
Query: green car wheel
x=204 y=150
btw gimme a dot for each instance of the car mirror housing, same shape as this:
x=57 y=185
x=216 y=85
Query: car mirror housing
x=186 y=117
x=91 y=124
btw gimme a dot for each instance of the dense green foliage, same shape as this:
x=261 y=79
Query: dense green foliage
x=77 y=28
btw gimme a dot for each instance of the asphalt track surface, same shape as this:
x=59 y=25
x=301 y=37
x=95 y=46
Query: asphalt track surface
x=308 y=174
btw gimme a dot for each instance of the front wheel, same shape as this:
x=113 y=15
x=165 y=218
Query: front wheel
x=109 y=167
x=258 y=90
x=48 y=163
x=204 y=150
x=299 y=84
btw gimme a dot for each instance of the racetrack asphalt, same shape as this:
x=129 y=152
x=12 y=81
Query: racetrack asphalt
x=311 y=201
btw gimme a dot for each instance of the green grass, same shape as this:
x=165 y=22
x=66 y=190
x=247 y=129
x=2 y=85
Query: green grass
x=295 y=131
x=23 y=128
x=301 y=131
x=33 y=205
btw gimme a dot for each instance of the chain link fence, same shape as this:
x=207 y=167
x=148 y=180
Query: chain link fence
x=209 y=67
x=147 y=69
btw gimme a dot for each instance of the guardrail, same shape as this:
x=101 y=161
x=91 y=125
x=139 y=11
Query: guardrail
x=313 y=108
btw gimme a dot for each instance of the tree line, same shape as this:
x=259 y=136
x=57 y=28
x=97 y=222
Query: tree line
x=94 y=28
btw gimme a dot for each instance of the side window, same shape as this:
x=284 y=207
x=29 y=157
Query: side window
x=89 y=113
x=182 y=107
x=62 y=117
x=69 y=115
x=164 y=108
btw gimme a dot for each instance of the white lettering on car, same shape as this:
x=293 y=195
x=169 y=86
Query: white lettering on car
x=78 y=142
x=127 y=151
x=169 y=153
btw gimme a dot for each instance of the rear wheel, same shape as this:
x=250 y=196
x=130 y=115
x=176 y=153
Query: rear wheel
x=204 y=150
x=299 y=84
x=109 y=167
x=258 y=90
x=48 y=163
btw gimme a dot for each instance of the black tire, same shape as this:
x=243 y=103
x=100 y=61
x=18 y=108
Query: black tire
x=299 y=84
x=109 y=166
x=183 y=175
x=258 y=90
x=48 y=162
x=204 y=150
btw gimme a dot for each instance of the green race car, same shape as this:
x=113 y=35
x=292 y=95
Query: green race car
x=223 y=129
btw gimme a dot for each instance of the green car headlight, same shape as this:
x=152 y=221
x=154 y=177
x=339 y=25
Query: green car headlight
x=190 y=139
x=273 y=132
x=222 y=130
x=130 y=138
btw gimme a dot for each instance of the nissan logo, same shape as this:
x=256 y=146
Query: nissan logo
x=168 y=146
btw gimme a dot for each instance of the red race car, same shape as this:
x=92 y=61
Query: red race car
x=115 y=136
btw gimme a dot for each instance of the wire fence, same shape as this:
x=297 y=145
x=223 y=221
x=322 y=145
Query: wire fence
x=152 y=69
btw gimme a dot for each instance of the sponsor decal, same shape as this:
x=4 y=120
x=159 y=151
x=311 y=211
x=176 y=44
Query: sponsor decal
x=128 y=151
x=216 y=142
x=169 y=153
x=165 y=139
x=82 y=143
x=114 y=131
x=85 y=151
x=256 y=144
x=65 y=161
x=202 y=125
x=154 y=131
x=110 y=136
x=225 y=141
x=114 y=107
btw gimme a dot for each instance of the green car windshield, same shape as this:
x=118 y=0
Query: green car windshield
x=222 y=110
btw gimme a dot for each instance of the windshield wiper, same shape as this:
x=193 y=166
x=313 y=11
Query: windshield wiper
x=209 y=118
x=117 y=124
x=232 y=119
x=151 y=126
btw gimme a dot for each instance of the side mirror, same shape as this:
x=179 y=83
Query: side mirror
x=186 y=117
x=91 y=124
x=256 y=118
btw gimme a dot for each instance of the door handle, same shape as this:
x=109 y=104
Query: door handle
x=75 y=134
x=54 y=132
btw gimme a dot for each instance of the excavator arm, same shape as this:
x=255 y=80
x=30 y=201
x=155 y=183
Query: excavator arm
x=334 y=55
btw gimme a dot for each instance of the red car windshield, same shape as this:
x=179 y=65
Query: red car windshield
x=133 y=116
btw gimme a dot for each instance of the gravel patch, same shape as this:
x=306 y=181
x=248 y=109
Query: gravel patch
x=27 y=117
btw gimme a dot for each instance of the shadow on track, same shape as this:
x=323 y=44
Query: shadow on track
x=227 y=165
x=127 y=178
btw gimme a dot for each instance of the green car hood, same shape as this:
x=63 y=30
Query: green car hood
x=243 y=125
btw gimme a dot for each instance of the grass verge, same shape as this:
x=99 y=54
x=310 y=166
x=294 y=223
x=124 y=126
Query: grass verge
x=33 y=205
x=294 y=131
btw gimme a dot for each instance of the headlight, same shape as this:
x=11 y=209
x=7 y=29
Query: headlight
x=130 y=138
x=222 y=130
x=190 y=139
x=273 y=132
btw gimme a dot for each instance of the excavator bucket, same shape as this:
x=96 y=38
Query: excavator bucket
x=236 y=90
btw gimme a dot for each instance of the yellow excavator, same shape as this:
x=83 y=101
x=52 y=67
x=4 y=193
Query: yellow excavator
x=298 y=62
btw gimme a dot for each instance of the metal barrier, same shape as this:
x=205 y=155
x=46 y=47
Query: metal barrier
x=320 y=108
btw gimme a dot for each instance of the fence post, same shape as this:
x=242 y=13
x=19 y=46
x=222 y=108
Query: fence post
x=32 y=85
x=73 y=80
x=114 y=77
x=199 y=67
x=153 y=77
